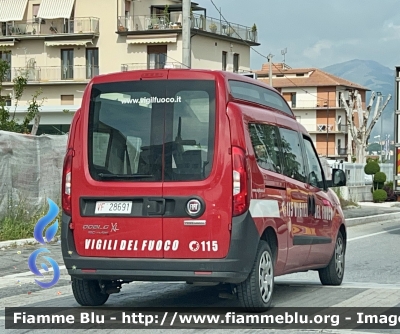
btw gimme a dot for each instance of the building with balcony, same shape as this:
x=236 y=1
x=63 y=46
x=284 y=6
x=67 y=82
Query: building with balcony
x=315 y=97
x=59 y=45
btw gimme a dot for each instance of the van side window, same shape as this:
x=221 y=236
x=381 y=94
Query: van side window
x=293 y=155
x=315 y=177
x=258 y=94
x=264 y=138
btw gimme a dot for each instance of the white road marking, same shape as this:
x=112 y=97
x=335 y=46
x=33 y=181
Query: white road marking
x=344 y=285
x=373 y=234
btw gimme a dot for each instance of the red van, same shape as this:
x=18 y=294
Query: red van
x=197 y=176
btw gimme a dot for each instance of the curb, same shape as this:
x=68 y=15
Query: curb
x=372 y=219
x=23 y=242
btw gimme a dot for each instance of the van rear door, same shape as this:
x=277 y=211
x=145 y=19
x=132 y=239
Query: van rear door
x=198 y=174
x=119 y=192
x=155 y=186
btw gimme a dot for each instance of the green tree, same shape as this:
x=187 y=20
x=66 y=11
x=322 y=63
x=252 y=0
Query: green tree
x=8 y=120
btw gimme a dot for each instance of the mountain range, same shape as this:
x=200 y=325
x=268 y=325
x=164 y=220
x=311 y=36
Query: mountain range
x=377 y=78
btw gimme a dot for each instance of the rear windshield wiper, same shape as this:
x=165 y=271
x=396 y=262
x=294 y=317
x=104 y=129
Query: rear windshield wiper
x=125 y=176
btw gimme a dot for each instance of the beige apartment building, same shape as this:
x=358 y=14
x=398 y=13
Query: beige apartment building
x=62 y=44
x=315 y=97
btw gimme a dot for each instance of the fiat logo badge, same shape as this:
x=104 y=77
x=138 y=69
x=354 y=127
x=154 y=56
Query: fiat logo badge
x=193 y=207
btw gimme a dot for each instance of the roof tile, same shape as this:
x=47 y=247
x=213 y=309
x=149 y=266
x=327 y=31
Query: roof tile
x=314 y=77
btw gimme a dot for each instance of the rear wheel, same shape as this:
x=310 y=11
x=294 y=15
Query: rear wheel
x=255 y=293
x=88 y=293
x=334 y=272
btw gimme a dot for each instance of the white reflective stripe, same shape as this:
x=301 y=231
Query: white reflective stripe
x=264 y=208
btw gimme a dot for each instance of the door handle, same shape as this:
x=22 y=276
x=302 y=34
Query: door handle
x=156 y=206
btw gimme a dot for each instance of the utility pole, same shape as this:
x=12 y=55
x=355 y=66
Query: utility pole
x=327 y=127
x=186 y=28
x=380 y=98
x=270 y=68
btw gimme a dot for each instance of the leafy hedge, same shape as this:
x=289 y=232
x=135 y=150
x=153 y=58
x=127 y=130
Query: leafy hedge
x=379 y=195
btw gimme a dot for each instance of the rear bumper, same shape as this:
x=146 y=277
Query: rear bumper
x=232 y=269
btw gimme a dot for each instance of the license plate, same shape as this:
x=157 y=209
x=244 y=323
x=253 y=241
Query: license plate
x=113 y=207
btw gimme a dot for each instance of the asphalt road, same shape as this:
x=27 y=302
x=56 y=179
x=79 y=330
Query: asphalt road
x=371 y=279
x=365 y=211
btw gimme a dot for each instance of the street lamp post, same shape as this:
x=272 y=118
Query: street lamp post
x=380 y=136
x=379 y=142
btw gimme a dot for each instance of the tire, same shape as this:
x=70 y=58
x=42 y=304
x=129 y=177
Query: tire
x=88 y=293
x=334 y=272
x=252 y=296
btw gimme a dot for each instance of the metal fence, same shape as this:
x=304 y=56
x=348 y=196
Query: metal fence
x=30 y=168
x=356 y=175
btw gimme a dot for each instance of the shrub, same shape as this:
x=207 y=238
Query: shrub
x=389 y=184
x=388 y=187
x=20 y=219
x=379 y=195
x=380 y=177
x=371 y=168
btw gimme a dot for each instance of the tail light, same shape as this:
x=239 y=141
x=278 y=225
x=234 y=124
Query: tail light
x=241 y=195
x=66 y=183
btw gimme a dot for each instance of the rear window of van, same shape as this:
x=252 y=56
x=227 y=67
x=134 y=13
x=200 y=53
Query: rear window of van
x=155 y=130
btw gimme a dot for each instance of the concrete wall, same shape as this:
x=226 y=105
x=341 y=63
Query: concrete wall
x=357 y=194
x=207 y=53
x=307 y=118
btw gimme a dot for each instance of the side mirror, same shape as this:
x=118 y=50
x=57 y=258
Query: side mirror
x=338 y=178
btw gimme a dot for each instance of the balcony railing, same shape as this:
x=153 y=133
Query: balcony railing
x=342 y=151
x=306 y=104
x=331 y=128
x=174 y=21
x=56 y=73
x=151 y=66
x=79 y=25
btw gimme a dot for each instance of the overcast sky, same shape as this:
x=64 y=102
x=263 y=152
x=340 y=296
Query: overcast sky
x=318 y=33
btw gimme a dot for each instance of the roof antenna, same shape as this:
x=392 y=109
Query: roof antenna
x=283 y=53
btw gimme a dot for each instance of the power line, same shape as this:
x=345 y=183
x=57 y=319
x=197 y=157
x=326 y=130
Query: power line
x=176 y=60
x=259 y=53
